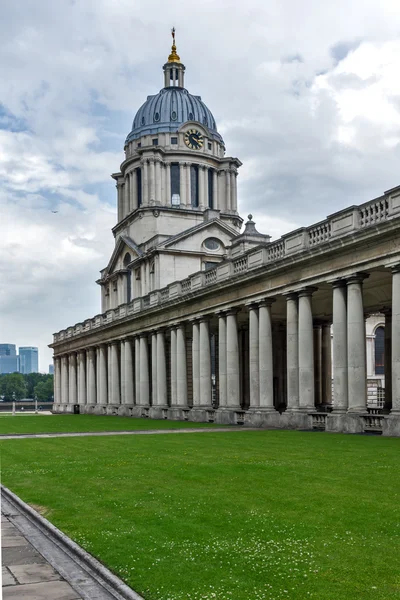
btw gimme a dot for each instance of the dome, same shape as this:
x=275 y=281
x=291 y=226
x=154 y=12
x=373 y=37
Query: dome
x=168 y=110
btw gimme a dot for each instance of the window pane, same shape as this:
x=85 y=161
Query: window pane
x=139 y=185
x=210 y=188
x=380 y=351
x=175 y=180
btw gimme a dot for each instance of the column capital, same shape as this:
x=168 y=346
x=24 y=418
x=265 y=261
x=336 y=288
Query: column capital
x=395 y=268
x=290 y=296
x=338 y=283
x=234 y=310
x=267 y=301
x=307 y=291
x=357 y=277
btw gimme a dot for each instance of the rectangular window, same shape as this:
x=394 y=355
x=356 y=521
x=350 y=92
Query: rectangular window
x=175 y=184
x=139 y=145
x=194 y=185
x=210 y=188
x=174 y=140
x=155 y=142
x=209 y=145
x=139 y=186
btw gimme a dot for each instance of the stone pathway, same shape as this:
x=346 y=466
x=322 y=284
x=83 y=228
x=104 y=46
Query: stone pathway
x=15 y=436
x=26 y=573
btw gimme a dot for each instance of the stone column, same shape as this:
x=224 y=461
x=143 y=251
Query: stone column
x=127 y=199
x=326 y=360
x=109 y=375
x=201 y=188
x=356 y=345
x=254 y=360
x=182 y=183
x=168 y=184
x=137 y=370
x=102 y=394
x=145 y=183
x=152 y=181
x=122 y=370
x=72 y=379
x=292 y=352
x=91 y=376
x=64 y=380
x=181 y=372
x=396 y=341
x=233 y=191
x=120 y=201
x=215 y=190
x=144 y=371
x=339 y=326
x=57 y=380
x=388 y=358
x=306 y=351
x=115 y=379
x=317 y=345
x=162 y=399
x=173 y=364
x=128 y=397
x=205 y=363
x=228 y=190
x=266 y=368
x=223 y=398
x=154 y=368
x=196 y=363
x=135 y=194
x=188 y=190
x=158 y=196
x=232 y=361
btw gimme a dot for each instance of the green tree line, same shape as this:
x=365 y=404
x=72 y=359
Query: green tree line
x=17 y=386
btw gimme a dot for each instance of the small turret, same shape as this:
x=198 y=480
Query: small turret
x=174 y=70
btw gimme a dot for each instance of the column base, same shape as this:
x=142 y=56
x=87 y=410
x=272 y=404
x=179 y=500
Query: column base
x=179 y=413
x=159 y=411
x=202 y=413
x=344 y=423
x=140 y=412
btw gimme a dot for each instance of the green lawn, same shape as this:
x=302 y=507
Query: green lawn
x=230 y=516
x=84 y=423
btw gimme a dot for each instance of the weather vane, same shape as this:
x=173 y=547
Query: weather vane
x=173 y=35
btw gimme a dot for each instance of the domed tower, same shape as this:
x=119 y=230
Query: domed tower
x=177 y=192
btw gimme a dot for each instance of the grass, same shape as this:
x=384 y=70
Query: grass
x=85 y=423
x=233 y=516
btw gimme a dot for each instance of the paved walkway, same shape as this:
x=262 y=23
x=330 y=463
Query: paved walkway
x=14 y=436
x=26 y=573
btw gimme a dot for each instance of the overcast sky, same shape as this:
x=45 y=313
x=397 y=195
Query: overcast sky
x=306 y=94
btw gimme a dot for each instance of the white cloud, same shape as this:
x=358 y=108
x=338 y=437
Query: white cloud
x=306 y=94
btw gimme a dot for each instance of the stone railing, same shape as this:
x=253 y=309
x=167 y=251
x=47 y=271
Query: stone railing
x=340 y=224
x=319 y=420
x=373 y=423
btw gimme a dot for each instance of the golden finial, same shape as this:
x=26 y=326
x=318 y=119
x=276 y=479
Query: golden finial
x=173 y=57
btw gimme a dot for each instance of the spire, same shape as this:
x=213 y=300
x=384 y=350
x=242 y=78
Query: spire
x=173 y=57
x=174 y=70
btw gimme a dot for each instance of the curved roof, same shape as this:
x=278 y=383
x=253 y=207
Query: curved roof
x=168 y=110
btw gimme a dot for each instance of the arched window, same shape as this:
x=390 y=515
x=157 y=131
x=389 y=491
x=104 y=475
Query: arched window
x=380 y=351
x=127 y=260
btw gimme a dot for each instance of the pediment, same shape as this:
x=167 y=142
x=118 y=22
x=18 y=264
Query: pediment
x=192 y=240
x=118 y=261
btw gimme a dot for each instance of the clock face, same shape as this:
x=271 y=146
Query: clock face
x=194 y=139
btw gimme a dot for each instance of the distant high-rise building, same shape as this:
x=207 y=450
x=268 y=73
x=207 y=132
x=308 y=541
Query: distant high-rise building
x=28 y=359
x=51 y=369
x=9 y=362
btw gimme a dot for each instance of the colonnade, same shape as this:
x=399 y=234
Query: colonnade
x=153 y=177
x=172 y=367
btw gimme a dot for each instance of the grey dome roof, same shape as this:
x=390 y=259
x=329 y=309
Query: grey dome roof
x=168 y=110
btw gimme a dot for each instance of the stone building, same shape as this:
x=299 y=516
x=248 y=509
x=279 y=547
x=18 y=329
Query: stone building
x=202 y=322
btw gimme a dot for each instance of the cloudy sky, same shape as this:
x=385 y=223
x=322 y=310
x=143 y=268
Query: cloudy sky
x=306 y=94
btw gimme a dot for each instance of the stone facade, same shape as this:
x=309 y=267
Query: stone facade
x=202 y=323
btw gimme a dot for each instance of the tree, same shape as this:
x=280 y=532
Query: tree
x=32 y=379
x=13 y=387
x=44 y=390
